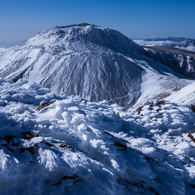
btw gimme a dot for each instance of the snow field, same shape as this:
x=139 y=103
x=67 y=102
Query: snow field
x=53 y=144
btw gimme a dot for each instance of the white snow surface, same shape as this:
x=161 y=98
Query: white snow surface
x=72 y=146
x=2 y=49
x=184 y=96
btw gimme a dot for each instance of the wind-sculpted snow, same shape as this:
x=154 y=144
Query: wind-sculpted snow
x=53 y=144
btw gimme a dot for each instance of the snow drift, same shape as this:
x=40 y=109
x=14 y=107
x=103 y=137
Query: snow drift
x=51 y=144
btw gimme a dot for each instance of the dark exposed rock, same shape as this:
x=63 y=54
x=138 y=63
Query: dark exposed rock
x=192 y=107
x=160 y=103
x=15 y=144
x=49 y=144
x=179 y=60
x=30 y=149
x=153 y=190
x=191 y=136
x=62 y=145
x=149 y=158
x=70 y=177
x=7 y=138
x=58 y=183
x=172 y=50
x=108 y=133
x=9 y=149
x=139 y=109
x=28 y=135
x=120 y=145
x=44 y=105
x=192 y=185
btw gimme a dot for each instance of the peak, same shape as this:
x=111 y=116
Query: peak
x=84 y=37
x=75 y=25
x=84 y=31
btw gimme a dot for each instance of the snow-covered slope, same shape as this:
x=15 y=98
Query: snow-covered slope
x=51 y=144
x=92 y=62
x=173 y=52
x=158 y=84
x=180 y=61
x=2 y=49
x=184 y=96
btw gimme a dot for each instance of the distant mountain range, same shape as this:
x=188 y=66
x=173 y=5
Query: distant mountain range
x=175 y=39
x=178 y=42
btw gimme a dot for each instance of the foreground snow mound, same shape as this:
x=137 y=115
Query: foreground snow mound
x=66 y=145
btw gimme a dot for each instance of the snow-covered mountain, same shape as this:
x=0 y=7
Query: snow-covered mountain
x=83 y=60
x=51 y=144
x=178 y=42
x=92 y=62
x=57 y=144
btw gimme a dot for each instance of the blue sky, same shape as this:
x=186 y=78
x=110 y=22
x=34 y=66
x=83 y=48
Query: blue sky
x=21 y=19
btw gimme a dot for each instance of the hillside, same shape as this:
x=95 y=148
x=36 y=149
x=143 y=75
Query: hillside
x=179 y=60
